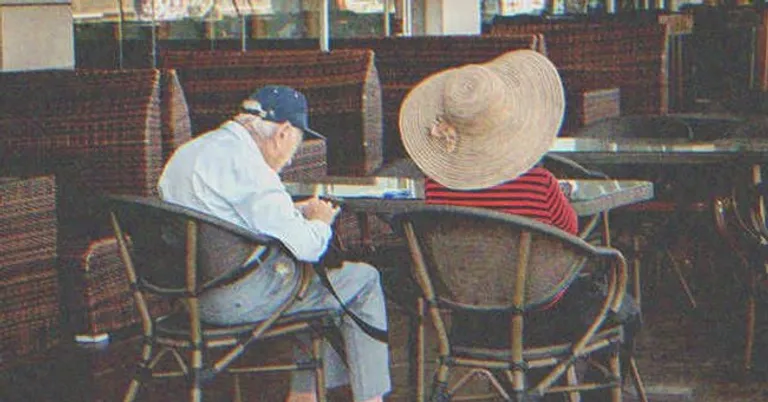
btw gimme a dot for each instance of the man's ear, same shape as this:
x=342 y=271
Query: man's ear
x=283 y=129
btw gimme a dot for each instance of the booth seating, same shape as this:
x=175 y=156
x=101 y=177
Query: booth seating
x=591 y=55
x=400 y=62
x=342 y=89
x=29 y=286
x=99 y=132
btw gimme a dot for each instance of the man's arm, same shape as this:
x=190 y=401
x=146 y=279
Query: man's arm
x=273 y=212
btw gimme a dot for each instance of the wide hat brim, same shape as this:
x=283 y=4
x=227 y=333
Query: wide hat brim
x=535 y=114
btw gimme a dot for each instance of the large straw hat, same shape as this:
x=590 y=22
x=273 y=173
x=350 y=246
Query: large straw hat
x=480 y=125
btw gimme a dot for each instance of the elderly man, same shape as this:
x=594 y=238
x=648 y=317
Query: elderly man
x=232 y=173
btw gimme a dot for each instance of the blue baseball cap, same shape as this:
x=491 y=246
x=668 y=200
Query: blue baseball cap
x=279 y=103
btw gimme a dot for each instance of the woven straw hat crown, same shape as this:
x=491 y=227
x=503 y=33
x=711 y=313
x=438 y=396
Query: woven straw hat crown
x=479 y=125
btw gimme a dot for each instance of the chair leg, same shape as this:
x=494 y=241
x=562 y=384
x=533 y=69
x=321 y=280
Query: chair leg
x=616 y=373
x=237 y=391
x=637 y=380
x=317 y=354
x=418 y=354
x=141 y=369
x=637 y=288
x=133 y=390
x=440 y=384
x=573 y=380
x=681 y=278
x=750 y=329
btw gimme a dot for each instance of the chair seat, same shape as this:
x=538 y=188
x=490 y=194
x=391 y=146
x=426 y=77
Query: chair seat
x=177 y=325
x=532 y=354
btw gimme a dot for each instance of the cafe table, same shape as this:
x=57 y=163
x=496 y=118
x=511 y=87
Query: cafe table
x=390 y=195
x=386 y=196
x=665 y=151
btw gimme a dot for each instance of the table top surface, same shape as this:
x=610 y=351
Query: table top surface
x=394 y=194
x=661 y=150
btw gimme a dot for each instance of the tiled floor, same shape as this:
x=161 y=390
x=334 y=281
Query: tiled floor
x=684 y=354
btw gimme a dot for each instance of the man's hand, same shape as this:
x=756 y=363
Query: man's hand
x=315 y=208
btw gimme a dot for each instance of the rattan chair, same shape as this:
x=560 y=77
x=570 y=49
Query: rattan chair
x=475 y=260
x=177 y=253
x=737 y=218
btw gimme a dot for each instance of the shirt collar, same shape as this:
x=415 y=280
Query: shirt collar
x=241 y=133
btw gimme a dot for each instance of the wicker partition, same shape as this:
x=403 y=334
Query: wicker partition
x=29 y=289
x=342 y=88
x=98 y=132
x=99 y=297
x=626 y=54
x=404 y=61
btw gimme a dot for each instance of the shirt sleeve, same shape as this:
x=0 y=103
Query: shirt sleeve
x=255 y=194
x=561 y=211
x=273 y=212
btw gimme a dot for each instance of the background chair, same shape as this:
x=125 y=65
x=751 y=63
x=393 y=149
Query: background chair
x=740 y=220
x=177 y=253
x=682 y=193
x=475 y=261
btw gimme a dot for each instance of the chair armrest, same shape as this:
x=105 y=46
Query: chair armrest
x=619 y=272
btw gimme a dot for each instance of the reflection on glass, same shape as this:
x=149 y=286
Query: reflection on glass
x=657 y=145
x=359 y=187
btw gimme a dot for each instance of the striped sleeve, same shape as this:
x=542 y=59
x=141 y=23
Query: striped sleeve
x=535 y=194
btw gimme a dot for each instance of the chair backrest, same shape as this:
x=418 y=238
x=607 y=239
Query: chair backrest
x=638 y=126
x=173 y=250
x=737 y=218
x=481 y=259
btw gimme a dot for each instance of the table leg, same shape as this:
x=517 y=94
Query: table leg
x=365 y=231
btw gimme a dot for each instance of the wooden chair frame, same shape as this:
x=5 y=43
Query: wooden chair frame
x=183 y=335
x=515 y=362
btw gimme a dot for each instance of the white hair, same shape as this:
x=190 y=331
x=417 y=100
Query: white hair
x=259 y=127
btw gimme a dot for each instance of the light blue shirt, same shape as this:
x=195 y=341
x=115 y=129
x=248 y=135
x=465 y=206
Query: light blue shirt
x=223 y=173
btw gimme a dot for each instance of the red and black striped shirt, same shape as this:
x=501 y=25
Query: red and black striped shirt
x=535 y=194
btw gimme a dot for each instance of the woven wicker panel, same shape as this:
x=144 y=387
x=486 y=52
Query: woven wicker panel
x=93 y=147
x=404 y=61
x=29 y=290
x=348 y=230
x=309 y=162
x=98 y=132
x=630 y=55
x=474 y=260
x=177 y=126
x=587 y=106
x=342 y=88
x=100 y=296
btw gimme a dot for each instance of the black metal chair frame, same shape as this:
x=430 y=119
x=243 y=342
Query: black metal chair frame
x=740 y=220
x=150 y=235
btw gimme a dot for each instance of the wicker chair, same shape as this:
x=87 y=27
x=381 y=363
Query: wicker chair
x=475 y=260
x=737 y=218
x=177 y=253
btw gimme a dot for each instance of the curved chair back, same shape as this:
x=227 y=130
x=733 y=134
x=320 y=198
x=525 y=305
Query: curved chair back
x=737 y=219
x=176 y=250
x=472 y=260
x=481 y=259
